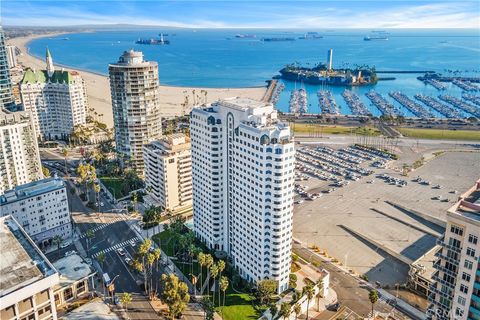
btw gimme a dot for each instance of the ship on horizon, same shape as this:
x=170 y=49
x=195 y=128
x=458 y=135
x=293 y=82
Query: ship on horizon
x=152 y=41
x=245 y=36
x=373 y=38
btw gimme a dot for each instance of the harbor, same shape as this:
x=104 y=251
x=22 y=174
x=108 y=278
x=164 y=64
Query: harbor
x=327 y=102
x=433 y=103
x=299 y=101
x=411 y=105
x=385 y=107
x=355 y=104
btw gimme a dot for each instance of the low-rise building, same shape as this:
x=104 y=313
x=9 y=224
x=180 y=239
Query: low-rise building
x=168 y=172
x=41 y=208
x=27 y=278
x=421 y=272
x=76 y=278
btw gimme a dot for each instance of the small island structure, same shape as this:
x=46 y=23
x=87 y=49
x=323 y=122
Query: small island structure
x=325 y=74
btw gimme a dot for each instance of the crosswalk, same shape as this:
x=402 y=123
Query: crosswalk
x=116 y=247
x=102 y=226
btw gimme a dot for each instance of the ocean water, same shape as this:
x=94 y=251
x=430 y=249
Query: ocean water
x=215 y=58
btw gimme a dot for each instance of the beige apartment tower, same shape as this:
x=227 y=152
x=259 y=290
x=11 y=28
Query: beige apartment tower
x=168 y=172
x=134 y=88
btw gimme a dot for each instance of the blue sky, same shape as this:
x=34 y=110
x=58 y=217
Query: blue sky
x=246 y=14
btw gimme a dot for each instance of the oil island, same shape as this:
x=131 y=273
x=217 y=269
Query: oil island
x=326 y=74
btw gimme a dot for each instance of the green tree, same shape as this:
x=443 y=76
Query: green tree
x=96 y=189
x=265 y=290
x=45 y=172
x=208 y=264
x=292 y=280
x=125 y=299
x=223 y=288
x=150 y=261
x=142 y=252
x=101 y=258
x=285 y=310
x=208 y=308
x=202 y=262
x=57 y=240
x=65 y=155
x=221 y=267
x=297 y=308
x=87 y=174
x=309 y=292
x=373 y=297
x=89 y=236
x=213 y=275
x=174 y=295
x=320 y=293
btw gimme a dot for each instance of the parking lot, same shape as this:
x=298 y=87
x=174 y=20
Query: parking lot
x=341 y=206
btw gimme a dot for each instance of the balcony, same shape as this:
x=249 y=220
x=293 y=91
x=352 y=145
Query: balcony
x=435 y=277
x=445 y=258
x=441 y=242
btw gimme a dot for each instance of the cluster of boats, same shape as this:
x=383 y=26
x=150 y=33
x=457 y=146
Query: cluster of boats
x=276 y=93
x=327 y=102
x=436 y=84
x=466 y=85
x=472 y=98
x=385 y=107
x=298 y=101
x=433 y=103
x=355 y=104
x=462 y=105
x=411 y=105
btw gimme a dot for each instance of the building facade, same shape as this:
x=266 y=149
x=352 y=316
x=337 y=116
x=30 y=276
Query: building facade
x=19 y=156
x=6 y=96
x=456 y=291
x=27 y=278
x=11 y=52
x=243 y=179
x=41 y=208
x=168 y=172
x=56 y=98
x=134 y=87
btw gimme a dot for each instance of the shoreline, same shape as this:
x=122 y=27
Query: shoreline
x=172 y=98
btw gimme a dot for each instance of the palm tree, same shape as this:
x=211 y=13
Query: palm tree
x=309 y=291
x=213 y=273
x=221 y=267
x=285 y=310
x=320 y=293
x=58 y=240
x=202 y=262
x=65 y=154
x=101 y=258
x=96 y=188
x=223 y=287
x=208 y=264
x=126 y=299
x=142 y=252
x=150 y=262
x=373 y=297
x=89 y=235
x=297 y=309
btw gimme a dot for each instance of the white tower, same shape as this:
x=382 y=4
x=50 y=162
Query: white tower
x=50 y=67
x=330 y=59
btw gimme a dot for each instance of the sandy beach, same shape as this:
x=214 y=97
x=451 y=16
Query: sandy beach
x=172 y=98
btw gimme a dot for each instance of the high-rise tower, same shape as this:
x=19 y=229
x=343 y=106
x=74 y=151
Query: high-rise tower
x=330 y=59
x=6 y=96
x=134 y=88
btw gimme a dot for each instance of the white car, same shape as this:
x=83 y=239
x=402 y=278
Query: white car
x=69 y=253
x=121 y=252
x=64 y=245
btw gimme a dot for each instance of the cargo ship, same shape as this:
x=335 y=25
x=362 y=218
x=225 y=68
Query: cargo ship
x=310 y=36
x=160 y=41
x=277 y=39
x=374 y=38
x=245 y=36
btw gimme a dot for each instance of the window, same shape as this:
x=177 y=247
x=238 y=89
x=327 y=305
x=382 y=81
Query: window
x=472 y=239
x=456 y=230
x=461 y=300
x=465 y=276
x=463 y=288
x=470 y=252
x=468 y=264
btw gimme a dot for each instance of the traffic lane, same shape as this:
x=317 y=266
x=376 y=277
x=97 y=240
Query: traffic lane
x=115 y=265
x=112 y=234
x=350 y=291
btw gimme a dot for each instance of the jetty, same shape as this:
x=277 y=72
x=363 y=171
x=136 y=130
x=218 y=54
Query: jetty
x=355 y=104
x=441 y=78
x=327 y=102
x=298 y=101
x=436 y=84
x=472 y=98
x=462 y=105
x=418 y=110
x=385 y=107
x=441 y=108
x=466 y=85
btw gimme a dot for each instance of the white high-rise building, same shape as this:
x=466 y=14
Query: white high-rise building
x=456 y=291
x=243 y=179
x=19 y=156
x=330 y=59
x=11 y=56
x=6 y=96
x=134 y=87
x=168 y=172
x=56 y=98
x=27 y=278
x=41 y=207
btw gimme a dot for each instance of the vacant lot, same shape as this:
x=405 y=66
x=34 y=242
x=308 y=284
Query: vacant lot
x=318 y=129
x=441 y=134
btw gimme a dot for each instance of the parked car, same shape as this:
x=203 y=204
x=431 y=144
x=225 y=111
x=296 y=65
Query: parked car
x=121 y=252
x=69 y=253
x=65 y=245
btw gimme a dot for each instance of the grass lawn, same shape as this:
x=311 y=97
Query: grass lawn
x=333 y=129
x=114 y=185
x=441 y=134
x=239 y=306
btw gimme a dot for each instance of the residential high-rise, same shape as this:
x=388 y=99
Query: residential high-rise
x=27 y=278
x=6 y=96
x=243 y=179
x=134 y=88
x=41 y=207
x=456 y=291
x=11 y=56
x=168 y=172
x=330 y=59
x=56 y=98
x=19 y=156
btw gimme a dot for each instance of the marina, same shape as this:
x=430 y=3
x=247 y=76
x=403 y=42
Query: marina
x=411 y=105
x=298 y=101
x=462 y=105
x=385 y=107
x=466 y=85
x=433 y=103
x=436 y=84
x=472 y=98
x=276 y=92
x=327 y=102
x=355 y=104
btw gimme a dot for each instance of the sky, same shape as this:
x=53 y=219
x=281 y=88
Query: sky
x=245 y=14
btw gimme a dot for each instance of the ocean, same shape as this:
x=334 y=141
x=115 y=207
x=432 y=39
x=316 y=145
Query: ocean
x=216 y=58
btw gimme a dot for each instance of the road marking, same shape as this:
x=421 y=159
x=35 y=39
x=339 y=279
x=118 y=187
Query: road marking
x=102 y=226
x=116 y=247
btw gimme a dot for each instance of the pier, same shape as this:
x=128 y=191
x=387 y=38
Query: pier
x=466 y=85
x=411 y=105
x=298 y=101
x=355 y=104
x=436 y=84
x=385 y=107
x=327 y=102
x=405 y=71
x=433 y=103
x=462 y=105
x=472 y=98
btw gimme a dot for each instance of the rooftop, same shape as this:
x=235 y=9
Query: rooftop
x=71 y=269
x=31 y=189
x=22 y=263
x=242 y=104
x=424 y=264
x=468 y=204
x=132 y=58
x=94 y=310
x=41 y=76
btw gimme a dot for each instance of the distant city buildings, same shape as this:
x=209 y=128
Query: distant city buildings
x=134 y=88
x=243 y=179
x=56 y=98
x=11 y=52
x=456 y=291
x=27 y=278
x=41 y=208
x=19 y=156
x=6 y=97
x=168 y=172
